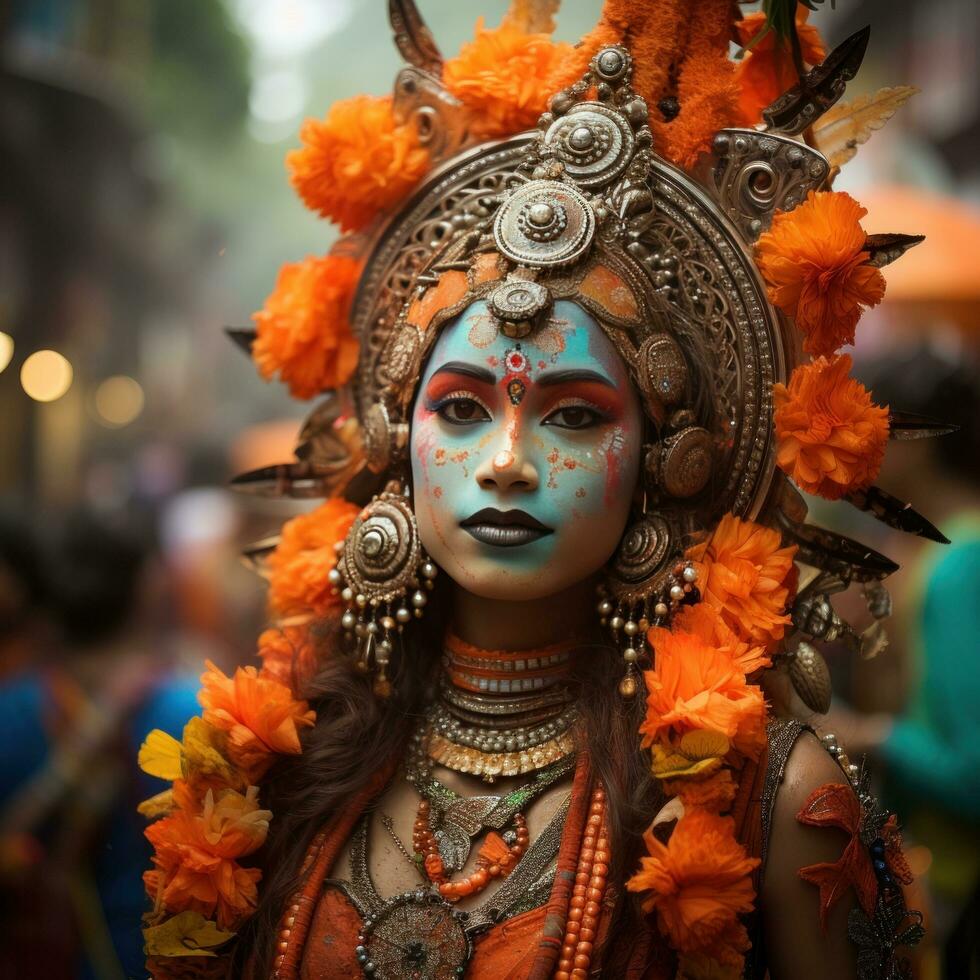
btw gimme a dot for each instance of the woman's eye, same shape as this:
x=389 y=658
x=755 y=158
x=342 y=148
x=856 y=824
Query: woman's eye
x=574 y=417
x=463 y=411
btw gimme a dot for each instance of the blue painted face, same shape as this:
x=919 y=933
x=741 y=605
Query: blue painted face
x=525 y=453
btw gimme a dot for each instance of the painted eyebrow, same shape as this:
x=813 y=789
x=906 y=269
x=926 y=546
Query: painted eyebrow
x=549 y=378
x=470 y=370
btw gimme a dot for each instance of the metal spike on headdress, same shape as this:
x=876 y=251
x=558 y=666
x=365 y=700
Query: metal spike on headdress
x=242 y=337
x=818 y=89
x=904 y=426
x=893 y=512
x=835 y=553
x=413 y=38
x=329 y=459
x=886 y=248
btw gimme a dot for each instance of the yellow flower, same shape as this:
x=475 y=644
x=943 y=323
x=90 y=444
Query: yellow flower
x=696 y=753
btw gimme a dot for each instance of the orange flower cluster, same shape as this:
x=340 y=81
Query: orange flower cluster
x=303 y=332
x=505 y=76
x=831 y=436
x=289 y=655
x=696 y=686
x=706 y=89
x=260 y=716
x=706 y=623
x=702 y=714
x=745 y=574
x=205 y=824
x=698 y=883
x=299 y=567
x=814 y=263
x=767 y=70
x=196 y=852
x=357 y=162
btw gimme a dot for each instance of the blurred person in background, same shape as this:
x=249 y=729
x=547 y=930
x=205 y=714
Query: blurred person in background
x=920 y=723
x=71 y=720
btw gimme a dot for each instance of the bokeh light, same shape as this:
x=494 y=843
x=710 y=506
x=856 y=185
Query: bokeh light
x=6 y=349
x=119 y=400
x=46 y=375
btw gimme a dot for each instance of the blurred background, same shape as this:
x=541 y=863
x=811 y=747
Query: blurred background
x=144 y=207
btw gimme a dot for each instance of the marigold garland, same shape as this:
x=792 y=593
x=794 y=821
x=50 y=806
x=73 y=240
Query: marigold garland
x=831 y=436
x=211 y=818
x=259 y=715
x=357 y=162
x=195 y=866
x=303 y=331
x=696 y=686
x=767 y=70
x=702 y=716
x=698 y=882
x=814 y=262
x=748 y=577
x=299 y=567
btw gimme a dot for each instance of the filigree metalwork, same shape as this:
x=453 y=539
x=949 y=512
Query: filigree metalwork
x=753 y=174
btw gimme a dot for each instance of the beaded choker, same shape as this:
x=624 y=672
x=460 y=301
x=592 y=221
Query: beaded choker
x=500 y=713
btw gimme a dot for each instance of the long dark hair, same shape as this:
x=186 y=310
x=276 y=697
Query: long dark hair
x=356 y=732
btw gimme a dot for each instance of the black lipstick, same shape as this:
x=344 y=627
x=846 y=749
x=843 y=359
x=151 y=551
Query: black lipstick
x=504 y=528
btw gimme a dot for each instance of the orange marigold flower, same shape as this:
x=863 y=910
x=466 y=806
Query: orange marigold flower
x=260 y=715
x=813 y=260
x=506 y=77
x=698 y=882
x=195 y=857
x=303 y=332
x=695 y=686
x=299 y=566
x=289 y=655
x=357 y=162
x=715 y=793
x=722 y=959
x=745 y=574
x=768 y=70
x=831 y=436
x=705 y=621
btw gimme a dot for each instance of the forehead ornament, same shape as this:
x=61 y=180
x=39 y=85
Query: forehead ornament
x=519 y=304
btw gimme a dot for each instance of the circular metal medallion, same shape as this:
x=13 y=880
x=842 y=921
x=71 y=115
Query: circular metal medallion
x=643 y=550
x=415 y=936
x=382 y=549
x=544 y=223
x=518 y=300
x=593 y=142
x=687 y=462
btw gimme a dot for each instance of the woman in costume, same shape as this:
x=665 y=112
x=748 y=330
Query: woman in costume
x=523 y=710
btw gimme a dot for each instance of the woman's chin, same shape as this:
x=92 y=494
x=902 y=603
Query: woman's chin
x=506 y=576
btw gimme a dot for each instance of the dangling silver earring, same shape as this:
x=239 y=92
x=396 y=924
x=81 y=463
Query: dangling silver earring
x=644 y=585
x=384 y=576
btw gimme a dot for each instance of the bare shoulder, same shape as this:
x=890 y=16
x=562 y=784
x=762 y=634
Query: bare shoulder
x=797 y=945
x=808 y=767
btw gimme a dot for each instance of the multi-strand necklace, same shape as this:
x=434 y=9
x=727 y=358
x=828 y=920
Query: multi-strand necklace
x=498 y=714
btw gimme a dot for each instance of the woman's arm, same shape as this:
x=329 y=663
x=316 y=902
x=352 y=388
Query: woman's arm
x=797 y=948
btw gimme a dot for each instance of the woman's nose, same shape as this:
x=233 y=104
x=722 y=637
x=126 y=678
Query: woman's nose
x=508 y=469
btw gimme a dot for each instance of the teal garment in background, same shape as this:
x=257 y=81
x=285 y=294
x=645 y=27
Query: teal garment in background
x=933 y=751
